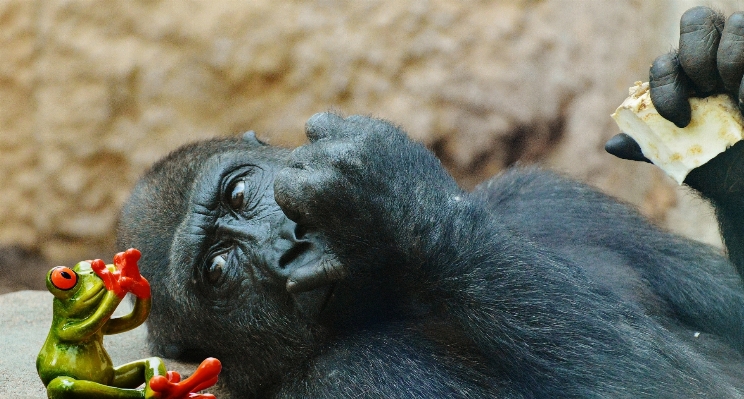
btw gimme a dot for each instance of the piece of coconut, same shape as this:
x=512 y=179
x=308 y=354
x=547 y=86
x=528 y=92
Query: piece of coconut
x=716 y=124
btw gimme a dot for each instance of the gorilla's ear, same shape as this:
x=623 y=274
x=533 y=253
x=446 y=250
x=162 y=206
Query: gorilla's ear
x=250 y=137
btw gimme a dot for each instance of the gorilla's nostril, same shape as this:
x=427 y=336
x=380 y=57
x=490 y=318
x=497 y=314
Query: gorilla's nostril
x=292 y=254
x=300 y=232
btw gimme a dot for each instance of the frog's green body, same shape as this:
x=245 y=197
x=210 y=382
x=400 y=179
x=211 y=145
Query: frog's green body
x=73 y=361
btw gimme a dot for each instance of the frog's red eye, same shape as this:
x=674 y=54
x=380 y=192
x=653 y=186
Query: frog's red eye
x=63 y=278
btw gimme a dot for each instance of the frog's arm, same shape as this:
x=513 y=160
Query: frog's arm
x=127 y=279
x=138 y=316
x=83 y=329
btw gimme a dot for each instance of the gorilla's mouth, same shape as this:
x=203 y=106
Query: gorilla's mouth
x=295 y=254
x=311 y=304
x=307 y=249
x=306 y=254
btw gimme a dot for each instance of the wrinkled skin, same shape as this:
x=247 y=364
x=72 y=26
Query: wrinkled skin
x=354 y=266
x=218 y=258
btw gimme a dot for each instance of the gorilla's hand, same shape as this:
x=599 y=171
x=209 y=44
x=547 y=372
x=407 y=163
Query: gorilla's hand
x=710 y=60
x=364 y=185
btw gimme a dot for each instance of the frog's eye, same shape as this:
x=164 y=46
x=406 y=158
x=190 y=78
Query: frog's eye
x=63 y=278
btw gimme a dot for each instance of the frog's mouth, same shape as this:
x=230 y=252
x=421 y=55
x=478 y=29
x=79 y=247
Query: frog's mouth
x=95 y=297
x=93 y=294
x=88 y=300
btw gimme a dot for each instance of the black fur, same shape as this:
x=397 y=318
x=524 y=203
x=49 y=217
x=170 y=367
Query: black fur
x=354 y=266
x=531 y=286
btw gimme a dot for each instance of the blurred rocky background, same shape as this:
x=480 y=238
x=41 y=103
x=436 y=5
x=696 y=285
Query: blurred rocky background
x=92 y=92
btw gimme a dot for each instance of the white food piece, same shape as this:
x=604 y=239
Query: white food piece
x=716 y=124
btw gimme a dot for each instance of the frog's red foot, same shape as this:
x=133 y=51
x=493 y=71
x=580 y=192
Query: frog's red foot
x=130 y=279
x=173 y=376
x=110 y=279
x=201 y=396
x=171 y=387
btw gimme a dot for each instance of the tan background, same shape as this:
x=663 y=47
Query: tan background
x=92 y=92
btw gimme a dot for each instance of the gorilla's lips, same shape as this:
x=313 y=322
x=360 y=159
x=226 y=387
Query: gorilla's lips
x=297 y=254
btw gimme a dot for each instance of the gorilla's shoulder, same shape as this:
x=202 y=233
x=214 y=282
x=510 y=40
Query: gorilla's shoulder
x=531 y=183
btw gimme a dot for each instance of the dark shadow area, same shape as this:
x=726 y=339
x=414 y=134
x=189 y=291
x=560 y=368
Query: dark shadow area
x=22 y=269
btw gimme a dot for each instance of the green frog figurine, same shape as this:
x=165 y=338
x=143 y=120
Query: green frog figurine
x=73 y=363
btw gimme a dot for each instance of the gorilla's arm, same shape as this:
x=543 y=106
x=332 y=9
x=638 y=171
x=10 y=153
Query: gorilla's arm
x=636 y=260
x=391 y=362
x=710 y=60
x=392 y=214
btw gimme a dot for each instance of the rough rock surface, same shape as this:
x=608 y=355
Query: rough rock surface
x=25 y=317
x=92 y=92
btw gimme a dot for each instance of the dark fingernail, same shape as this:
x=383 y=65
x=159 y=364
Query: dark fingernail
x=625 y=147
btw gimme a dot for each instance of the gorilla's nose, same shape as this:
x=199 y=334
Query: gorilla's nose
x=294 y=248
x=291 y=231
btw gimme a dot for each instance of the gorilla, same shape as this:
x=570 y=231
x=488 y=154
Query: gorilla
x=354 y=266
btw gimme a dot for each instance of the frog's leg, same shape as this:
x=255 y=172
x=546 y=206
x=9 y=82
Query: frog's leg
x=69 y=388
x=204 y=377
x=134 y=374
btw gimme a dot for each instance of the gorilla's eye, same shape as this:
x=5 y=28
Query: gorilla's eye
x=237 y=195
x=216 y=268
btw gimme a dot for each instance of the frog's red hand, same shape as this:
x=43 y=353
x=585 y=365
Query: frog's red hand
x=110 y=279
x=204 y=377
x=130 y=278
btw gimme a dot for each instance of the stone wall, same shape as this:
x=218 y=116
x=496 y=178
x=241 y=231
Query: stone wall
x=92 y=92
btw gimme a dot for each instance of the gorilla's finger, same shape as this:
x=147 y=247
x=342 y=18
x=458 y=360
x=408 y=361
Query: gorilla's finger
x=731 y=53
x=295 y=189
x=740 y=97
x=624 y=147
x=322 y=125
x=315 y=156
x=303 y=157
x=284 y=193
x=670 y=89
x=328 y=271
x=700 y=32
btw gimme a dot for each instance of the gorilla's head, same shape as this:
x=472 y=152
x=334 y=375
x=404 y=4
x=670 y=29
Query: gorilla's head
x=217 y=250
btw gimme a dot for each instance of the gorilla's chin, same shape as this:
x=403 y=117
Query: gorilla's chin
x=312 y=303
